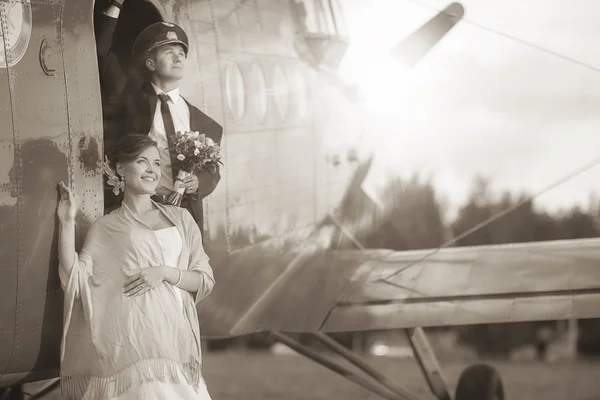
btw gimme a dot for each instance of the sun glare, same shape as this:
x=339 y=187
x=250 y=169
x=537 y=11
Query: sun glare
x=394 y=95
x=388 y=90
x=384 y=83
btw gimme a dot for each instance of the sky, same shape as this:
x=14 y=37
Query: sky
x=481 y=104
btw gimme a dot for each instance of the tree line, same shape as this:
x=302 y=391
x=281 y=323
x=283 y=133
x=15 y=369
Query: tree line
x=416 y=221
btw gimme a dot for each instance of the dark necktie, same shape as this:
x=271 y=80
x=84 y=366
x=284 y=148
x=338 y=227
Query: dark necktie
x=170 y=131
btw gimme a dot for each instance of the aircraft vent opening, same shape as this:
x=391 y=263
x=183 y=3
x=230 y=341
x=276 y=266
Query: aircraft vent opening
x=134 y=17
x=324 y=31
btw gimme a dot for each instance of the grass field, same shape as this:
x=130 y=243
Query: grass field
x=258 y=376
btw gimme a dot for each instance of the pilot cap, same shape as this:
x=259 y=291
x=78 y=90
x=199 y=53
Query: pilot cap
x=159 y=34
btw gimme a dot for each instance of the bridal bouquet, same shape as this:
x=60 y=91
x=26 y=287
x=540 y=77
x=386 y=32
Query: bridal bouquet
x=195 y=152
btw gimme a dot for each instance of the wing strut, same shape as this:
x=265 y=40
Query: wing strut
x=380 y=389
x=427 y=362
x=358 y=362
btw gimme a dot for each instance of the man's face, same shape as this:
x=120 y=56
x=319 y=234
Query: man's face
x=168 y=62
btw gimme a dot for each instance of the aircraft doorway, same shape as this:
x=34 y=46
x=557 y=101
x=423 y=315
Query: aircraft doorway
x=117 y=75
x=134 y=17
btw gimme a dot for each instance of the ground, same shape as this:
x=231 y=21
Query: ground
x=257 y=376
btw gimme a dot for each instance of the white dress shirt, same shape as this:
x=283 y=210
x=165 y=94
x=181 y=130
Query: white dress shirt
x=181 y=120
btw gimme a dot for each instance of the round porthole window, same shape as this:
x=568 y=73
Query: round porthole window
x=259 y=92
x=300 y=93
x=16 y=31
x=235 y=91
x=281 y=91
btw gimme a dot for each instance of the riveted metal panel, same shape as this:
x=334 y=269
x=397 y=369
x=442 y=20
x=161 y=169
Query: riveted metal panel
x=40 y=123
x=8 y=215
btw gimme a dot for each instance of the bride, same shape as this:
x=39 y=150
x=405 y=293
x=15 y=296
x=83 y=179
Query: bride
x=131 y=329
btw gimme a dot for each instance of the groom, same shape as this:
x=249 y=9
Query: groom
x=153 y=104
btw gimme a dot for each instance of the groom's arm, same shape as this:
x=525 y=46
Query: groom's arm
x=112 y=77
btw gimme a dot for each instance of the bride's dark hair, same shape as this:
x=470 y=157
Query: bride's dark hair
x=129 y=148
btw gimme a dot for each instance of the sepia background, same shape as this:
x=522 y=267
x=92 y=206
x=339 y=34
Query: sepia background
x=501 y=110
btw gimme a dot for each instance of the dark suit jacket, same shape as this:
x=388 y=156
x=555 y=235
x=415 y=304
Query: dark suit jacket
x=128 y=103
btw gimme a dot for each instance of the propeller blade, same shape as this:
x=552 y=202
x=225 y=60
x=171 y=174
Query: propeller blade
x=413 y=48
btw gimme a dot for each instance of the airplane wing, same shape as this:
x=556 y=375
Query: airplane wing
x=347 y=290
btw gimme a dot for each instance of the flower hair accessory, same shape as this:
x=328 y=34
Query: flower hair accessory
x=112 y=178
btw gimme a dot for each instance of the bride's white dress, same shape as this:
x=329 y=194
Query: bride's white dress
x=171 y=245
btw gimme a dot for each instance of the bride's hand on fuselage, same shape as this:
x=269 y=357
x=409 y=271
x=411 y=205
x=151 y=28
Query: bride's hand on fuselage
x=67 y=206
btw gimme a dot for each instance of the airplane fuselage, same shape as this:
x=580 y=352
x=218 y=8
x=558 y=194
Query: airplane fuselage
x=285 y=154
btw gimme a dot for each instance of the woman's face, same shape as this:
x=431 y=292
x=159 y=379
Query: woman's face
x=141 y=175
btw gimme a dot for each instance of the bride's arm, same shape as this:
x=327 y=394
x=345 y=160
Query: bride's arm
x=66 y=249
x=69 y=262
x=190 y=280
x=66 y=212
x=199 y=278
x=149 y=278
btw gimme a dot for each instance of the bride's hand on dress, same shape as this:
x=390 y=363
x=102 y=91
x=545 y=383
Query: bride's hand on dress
x=147 y=279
